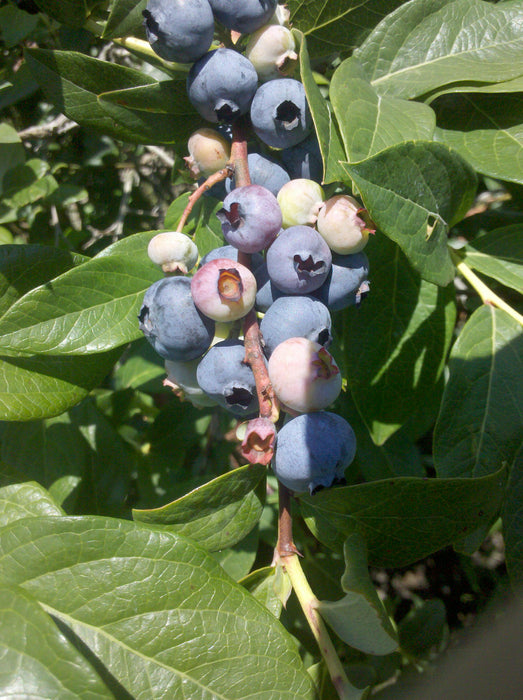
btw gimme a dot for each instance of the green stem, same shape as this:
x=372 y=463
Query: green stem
x=308 y=602
x=486 y=294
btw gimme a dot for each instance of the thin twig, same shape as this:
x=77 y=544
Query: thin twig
x=195 y=196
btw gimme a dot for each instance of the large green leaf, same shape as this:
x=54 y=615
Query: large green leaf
x=404 y=519
x=337 y=25
x=499 y=254
x=24 y=501
x=74 y=82
x=24 y=267
x=487 y=130
x=89 y=309
x=397 y=342
x=155 y=608
x=426 y=44
x=480 y=425
x=414 y=192
x=513 y=521
x=325 y=125
x=125 y=17
x=40 y=386
x=359 y=618
x=370 y=122
x=218 y=514
x=37 y=658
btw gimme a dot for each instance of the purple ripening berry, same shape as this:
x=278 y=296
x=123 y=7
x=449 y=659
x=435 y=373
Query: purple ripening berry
x=251 y=218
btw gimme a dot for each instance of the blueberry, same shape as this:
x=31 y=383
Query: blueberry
x=181 y=378
x=296 y=316
x=250 y=218
x=280 y=114
x=245 y=16
x=173 y=251
x=271 y=50
x=171 y=322
x=221 y=85
x=300 y=202
x=179 y=30
x=299 y=260
x=304 y=160
x=231 y=253
x=267 y=291
x=346 y=283
x=223 y=290
x=225 y=378
x=342 y=225
x=209 y=151
x=263 y=171
x=304 y=375
x=313 y=450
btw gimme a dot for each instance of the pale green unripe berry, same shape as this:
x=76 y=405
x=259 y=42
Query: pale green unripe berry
x=271 y=50
x=209 y=152
x=173 y=251
x=181 y=378
x=281 y=15
x=300 y=201
x=342 y=226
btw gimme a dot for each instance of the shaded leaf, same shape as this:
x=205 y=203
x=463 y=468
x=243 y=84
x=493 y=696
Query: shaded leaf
x=217 y=514
x=414 y=193
x=270 y=585
x=423 y=628
x=155 y=608
x=399 y=339
x=325 y=125
x=480 y=425
x=237 y=560
x=37 y=659
x=440 y=512
x=513 y=522
x=359 y=618
x=427 y=44
x=125 y=17
x=40 y=386
x=24 y=501
x=499 y=254
x=486 y=130
x=12 y=151
x=370 y=122
x=72 y=13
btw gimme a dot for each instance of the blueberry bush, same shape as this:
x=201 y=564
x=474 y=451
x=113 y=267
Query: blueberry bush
x=187 y=510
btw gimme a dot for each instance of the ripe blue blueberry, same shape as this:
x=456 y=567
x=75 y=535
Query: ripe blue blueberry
x=221 y=85
x=224 y=377
x=179 y=30
x=313 y=451
x=304 y=160
x=171 y=322
x=267 y=292
x=263 y=171
x=245 y=16
x=346 y=282
x=280 y=114
x=251 y=218
x=296 y=316
x=231 y=253
x=299 y=260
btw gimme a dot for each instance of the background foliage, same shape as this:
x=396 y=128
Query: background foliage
x=418 y=108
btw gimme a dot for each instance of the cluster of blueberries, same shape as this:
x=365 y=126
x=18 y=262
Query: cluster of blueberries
x=290 y=255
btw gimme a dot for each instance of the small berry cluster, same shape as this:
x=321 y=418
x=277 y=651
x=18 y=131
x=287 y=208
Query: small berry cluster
x=290 y=255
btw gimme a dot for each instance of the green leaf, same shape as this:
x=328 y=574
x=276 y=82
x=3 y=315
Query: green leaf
x=90 y=309
x=12 y=151
x=498 y=254
x=440 y=511
x=513 y=522
x=399 y=339
x=480 y=425
x=26 y=184
x=72 y=13
x=335 y=26
x=369 y=122
x=37 y=659
x=359 y=618
x=423 y=628
x=25 y=501
x=73 y=82
x=24 y=267
x=270 y=585
x=45 y=385
x=217 y=514
x=487 y=130
x=156 y=609
x=238 y=560
x=325 y=125
x=427 y=44
x=125 y=18
x=414 y=193
x=142 y=368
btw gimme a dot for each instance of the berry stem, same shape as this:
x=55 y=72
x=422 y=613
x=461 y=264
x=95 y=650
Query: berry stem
x=195 y=196
x=308 y=603
x=239 y=156
x=285 y=545
x=486 y=294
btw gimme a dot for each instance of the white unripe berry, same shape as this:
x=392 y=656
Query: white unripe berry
x=173 y=251
x=271 y=50
x=209 y=152
x=300 y=201
x=341 y=225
